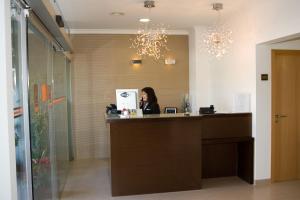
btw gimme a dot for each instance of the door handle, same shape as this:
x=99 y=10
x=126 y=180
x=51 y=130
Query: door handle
x=277 y=117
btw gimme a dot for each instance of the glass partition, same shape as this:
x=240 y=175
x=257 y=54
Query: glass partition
x=49 y=120
x=60 y=117
x=69 y=108
x=22 y=142
x=41 y=120
x=41 y=107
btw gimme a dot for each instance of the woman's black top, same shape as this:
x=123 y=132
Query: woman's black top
x=150 y=108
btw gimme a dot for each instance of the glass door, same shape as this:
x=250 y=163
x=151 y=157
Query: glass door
x=19 y=65
x=60 y=113
x=40 y=61
x=69 y=108
x=41 y=107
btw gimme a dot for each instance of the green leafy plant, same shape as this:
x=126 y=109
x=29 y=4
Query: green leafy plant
x=40 y=149
x=39 y=134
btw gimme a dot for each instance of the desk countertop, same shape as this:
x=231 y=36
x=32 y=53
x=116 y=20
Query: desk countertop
x=116 y=117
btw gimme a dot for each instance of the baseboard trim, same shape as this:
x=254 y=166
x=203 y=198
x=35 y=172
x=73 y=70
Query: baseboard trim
x=263 y=182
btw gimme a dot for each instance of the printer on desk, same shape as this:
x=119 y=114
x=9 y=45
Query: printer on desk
x=207 y=110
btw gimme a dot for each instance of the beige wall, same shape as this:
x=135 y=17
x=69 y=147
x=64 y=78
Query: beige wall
x=102 y=64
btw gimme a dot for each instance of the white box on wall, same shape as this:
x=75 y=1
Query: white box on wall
x=242 y=102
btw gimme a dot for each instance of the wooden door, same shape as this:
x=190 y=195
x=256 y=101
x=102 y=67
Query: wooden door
x=285 y=115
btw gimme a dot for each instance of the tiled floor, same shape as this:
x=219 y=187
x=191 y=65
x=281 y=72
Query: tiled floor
x=89 y=180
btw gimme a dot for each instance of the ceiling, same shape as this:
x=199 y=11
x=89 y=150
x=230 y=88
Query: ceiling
x=176 y=14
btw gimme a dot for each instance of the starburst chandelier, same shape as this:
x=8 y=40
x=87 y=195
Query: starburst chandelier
x=150 y=41
x=218 y=37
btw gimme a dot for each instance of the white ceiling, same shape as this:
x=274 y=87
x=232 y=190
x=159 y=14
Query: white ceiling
x=177 y=14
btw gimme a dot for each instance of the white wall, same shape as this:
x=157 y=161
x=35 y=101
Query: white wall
x=199 y=72
x=264 y=98
x=8 y=189
x=192 y=70
x=255 y=22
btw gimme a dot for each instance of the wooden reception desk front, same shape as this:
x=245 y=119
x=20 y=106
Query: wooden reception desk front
x=174 y=152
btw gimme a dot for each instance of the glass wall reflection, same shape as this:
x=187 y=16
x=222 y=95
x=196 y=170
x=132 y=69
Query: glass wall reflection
x=60 y=117
x=40 y=61
x=42 y=122
x=48 y=115
x=18 y=103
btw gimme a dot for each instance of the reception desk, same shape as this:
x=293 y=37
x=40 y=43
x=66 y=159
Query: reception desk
x=174 y=152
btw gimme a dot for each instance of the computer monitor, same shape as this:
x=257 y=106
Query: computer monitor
x=127 y=98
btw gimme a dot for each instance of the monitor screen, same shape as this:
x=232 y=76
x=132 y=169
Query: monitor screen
x=127 y=98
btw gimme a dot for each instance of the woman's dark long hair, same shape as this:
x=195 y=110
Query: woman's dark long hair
x=151 y=94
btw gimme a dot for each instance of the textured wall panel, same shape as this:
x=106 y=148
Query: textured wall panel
x=102 y=63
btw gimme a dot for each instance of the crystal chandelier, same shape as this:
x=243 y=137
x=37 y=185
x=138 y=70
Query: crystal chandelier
x=218 y=37
x=150 y=41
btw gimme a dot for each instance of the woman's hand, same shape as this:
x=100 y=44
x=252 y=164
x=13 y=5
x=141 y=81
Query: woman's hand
x=141 y=102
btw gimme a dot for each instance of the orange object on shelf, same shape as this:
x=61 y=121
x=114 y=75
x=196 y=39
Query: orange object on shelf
x=44 y=92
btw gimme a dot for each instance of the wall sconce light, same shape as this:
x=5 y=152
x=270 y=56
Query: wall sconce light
x=170 y=61
x=136 y=61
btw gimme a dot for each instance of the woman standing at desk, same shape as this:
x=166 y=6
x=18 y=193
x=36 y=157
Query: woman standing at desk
x=148 y=101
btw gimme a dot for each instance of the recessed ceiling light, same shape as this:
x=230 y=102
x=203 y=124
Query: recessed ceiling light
x=117 y=13
x=144 y=20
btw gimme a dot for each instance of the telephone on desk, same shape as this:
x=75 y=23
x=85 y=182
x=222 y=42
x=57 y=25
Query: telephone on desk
x=112 y=109
x=207 y=110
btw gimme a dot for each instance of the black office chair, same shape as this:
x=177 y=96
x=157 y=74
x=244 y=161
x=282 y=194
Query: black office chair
x=170 y=110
